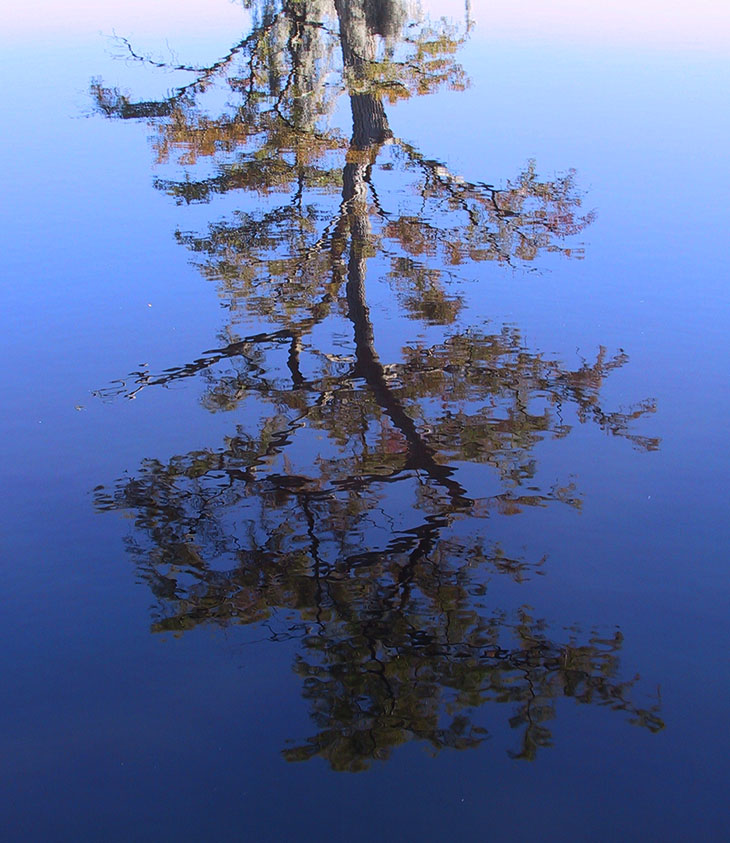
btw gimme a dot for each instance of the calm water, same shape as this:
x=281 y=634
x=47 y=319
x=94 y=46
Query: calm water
x=365 y=430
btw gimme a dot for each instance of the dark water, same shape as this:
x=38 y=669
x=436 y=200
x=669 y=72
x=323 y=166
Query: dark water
x=416 y=525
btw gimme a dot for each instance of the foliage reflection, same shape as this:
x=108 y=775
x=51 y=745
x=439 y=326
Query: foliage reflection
x=339 y=513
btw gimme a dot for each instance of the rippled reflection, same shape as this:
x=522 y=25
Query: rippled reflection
x=339 y=512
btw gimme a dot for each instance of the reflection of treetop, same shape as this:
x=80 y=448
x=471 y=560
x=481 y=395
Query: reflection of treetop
x=277 y=138
x=337 y=513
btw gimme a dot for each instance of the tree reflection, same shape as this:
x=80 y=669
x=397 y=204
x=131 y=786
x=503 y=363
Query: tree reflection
x=341 y=503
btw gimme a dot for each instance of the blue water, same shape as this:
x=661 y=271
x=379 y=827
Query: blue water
x=331 y=644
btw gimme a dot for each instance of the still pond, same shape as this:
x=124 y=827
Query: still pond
x=365 y=425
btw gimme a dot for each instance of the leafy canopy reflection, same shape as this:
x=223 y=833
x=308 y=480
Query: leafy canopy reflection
x=337 y=513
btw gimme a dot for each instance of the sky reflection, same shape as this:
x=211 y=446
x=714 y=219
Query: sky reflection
x=646 y=24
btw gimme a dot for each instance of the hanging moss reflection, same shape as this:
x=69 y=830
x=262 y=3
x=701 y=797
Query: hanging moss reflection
x=275 y=145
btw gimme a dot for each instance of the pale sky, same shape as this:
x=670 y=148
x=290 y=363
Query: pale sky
x=671 y=24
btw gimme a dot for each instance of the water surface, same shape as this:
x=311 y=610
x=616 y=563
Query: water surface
x=365 y=432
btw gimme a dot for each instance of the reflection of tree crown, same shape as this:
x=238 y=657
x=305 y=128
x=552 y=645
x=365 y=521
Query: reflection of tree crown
x=341 y=505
